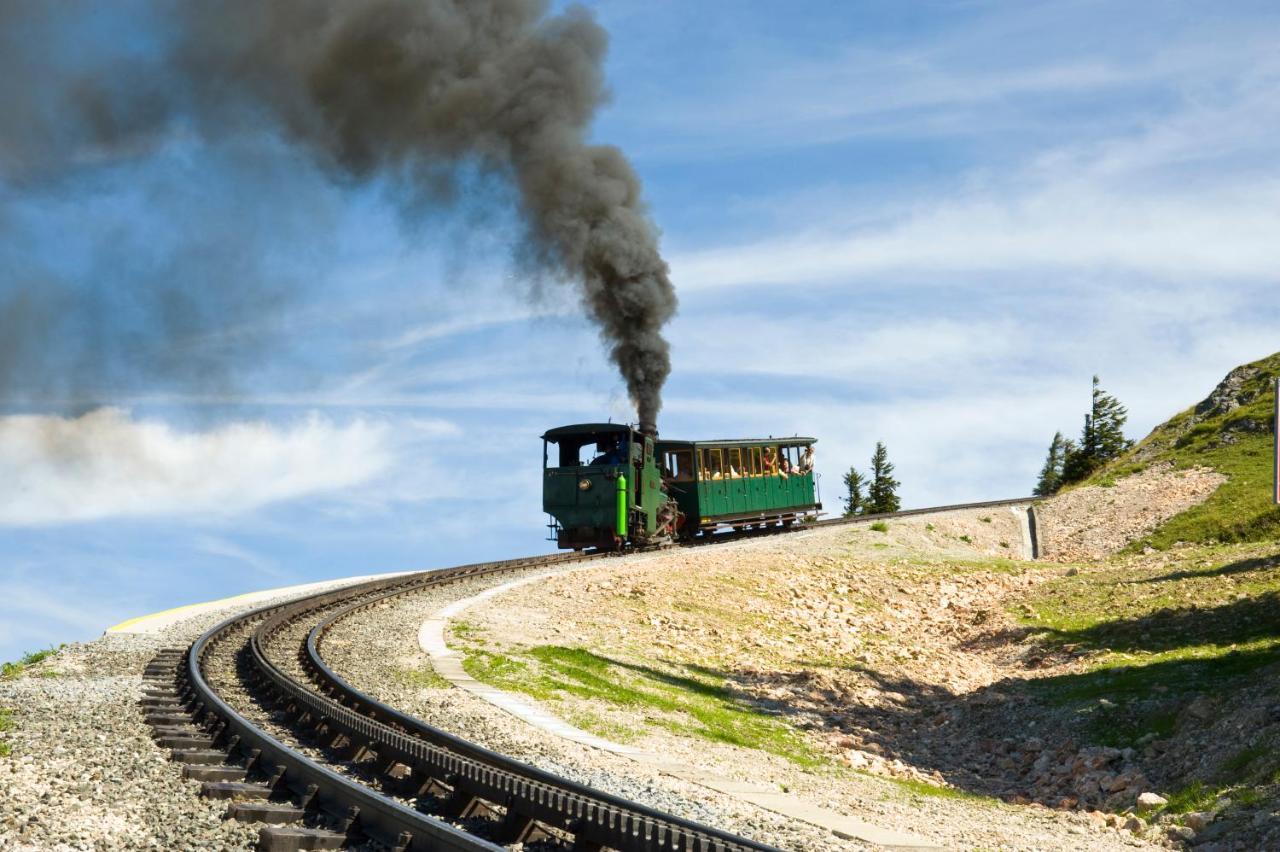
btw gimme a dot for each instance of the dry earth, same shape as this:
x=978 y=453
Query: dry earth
x=1094 y=522
x=897 y=653
x=871 y=643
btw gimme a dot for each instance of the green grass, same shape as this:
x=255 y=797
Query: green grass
x=1241 y=760
x=1155 y=636
x=986 y=519
x=9 y=671
x=880 y=526
x=6 y=724
x=424 y=678
x=1238 y=444
x=1196 y=796
x=691 y=701
x=966 y=539
x=924 y=788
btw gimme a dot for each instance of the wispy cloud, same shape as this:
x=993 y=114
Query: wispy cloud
x=1205 y=233
x=107 y=464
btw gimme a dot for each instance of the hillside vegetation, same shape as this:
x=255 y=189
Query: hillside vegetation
x=1230 y=432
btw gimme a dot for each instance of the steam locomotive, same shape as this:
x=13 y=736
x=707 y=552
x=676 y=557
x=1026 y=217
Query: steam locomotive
x=609 y=485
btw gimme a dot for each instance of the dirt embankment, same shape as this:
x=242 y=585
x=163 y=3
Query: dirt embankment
x=919 y=654
x=891 y=652
x=1096 y=521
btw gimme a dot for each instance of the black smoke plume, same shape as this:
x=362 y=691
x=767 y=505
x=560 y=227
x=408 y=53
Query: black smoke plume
x=417 y=91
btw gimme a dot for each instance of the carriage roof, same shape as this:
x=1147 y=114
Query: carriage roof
x=794 y=440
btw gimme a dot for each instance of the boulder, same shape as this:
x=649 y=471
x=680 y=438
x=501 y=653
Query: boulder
x=1149 y=801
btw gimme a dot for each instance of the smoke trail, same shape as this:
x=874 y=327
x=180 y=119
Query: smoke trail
x=418 y=91
x=415 y=89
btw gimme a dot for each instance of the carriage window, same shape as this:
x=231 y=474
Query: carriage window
x=735 y=463
x=755 y=461
x=679 y=466
x=714 y=469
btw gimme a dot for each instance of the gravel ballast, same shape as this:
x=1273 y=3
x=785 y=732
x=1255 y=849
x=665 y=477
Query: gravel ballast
x=84 y=772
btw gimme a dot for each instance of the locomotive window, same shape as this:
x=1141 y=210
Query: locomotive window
x=714 y=468
x=735 y=463
x=684 y=466
x=679 y=466
x=756 y=468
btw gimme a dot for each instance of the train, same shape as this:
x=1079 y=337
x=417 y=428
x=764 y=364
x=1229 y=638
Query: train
x=610 y=486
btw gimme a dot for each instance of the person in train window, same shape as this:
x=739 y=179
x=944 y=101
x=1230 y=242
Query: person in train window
x=770 y=461
x=611 y=452
x=806 y=460
x=784 y=467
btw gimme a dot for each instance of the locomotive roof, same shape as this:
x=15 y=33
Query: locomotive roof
x=584 y=429
x=742 y=442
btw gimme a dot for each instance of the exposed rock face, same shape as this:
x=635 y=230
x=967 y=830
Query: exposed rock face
x=1231 y=393
x=1094 y=522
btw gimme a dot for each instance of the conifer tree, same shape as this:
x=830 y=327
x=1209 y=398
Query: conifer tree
x=1107 y=418
x=882 y=495
x=1101 y=440
x=855 y=503
x=1051 y=474
x=1081 y=459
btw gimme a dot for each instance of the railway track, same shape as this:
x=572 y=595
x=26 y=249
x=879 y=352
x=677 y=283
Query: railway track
x=254 y=713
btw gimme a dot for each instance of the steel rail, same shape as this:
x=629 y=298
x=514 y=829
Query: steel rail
x=317 y=787
x=435 y=758
x=356 y=808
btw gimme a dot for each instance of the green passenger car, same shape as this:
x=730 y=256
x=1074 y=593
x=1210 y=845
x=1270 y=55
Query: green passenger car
x=740 y=482
x=607 y=485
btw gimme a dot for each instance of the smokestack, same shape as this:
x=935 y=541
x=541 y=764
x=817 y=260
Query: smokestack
x=649 y=429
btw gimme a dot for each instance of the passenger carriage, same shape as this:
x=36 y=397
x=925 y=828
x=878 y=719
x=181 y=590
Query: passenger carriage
x=740 y=482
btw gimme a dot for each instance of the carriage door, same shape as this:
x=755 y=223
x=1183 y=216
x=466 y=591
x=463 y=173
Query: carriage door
x=737 y=481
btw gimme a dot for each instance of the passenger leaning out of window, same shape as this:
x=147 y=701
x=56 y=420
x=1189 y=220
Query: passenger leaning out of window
x=806 y=460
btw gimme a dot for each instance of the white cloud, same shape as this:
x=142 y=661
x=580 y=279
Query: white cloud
x=1228 y=232
x=107 y=464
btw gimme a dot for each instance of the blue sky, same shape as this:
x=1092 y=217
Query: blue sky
x=922 y=223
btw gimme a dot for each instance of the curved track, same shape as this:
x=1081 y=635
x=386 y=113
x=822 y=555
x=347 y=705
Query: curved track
x=327 y=766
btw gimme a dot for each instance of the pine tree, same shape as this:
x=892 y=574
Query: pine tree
x=1081 y=459
x=1108 y=417
x=1051 y=474
x=1101 y=440
x=882 y=495
x=855 y=503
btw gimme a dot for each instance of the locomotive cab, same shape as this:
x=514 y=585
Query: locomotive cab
x=602 y=487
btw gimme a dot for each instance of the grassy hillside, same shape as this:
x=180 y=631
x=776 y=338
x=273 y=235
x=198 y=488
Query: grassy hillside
x=1231 y=432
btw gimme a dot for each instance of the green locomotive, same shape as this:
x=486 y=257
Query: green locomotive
x=612 y=485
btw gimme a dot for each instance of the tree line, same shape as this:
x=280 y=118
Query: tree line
x=1101 y=441
x=881 y=488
